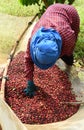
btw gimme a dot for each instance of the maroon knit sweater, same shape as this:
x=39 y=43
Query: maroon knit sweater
x=64 y=19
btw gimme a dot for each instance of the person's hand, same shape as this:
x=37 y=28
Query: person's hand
x=30 y=89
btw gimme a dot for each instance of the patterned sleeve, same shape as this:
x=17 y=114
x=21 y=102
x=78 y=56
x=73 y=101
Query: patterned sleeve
x=29 y=65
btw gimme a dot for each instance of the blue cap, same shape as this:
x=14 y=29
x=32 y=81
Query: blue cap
x=45 y=47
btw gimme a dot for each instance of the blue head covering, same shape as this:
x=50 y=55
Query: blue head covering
x=45 y=47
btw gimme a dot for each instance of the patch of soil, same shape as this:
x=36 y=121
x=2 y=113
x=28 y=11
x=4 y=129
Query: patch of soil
x=11 y=27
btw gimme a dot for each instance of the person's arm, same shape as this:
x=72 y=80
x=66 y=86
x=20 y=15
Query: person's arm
x=29 y=68
x=29 y=65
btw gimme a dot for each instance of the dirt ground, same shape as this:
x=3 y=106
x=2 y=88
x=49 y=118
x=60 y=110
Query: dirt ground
x=11 y=27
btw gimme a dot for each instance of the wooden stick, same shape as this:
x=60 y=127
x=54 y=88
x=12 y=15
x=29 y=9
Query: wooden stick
x=4 y=77
x=46 y=3
x=73 y=103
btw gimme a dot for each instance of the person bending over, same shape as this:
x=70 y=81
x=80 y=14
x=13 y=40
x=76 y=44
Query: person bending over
x=54 y=36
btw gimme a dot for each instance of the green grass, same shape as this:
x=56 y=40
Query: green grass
x=13 y=7
x=79 y=50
